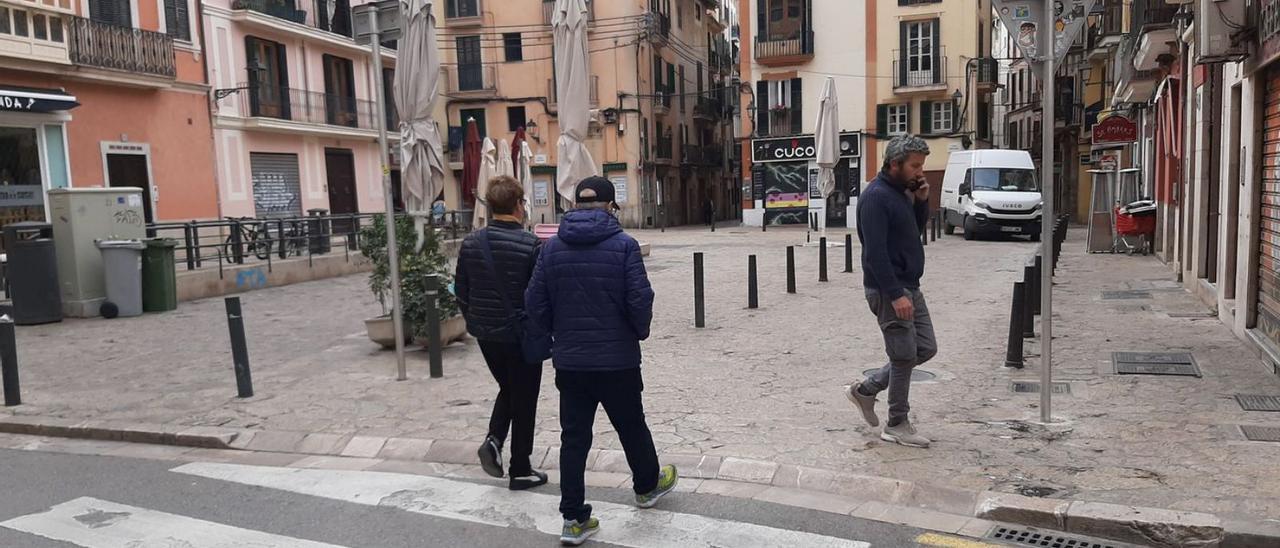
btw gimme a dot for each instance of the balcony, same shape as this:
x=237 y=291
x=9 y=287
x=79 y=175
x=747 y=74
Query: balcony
x=702 y=155
x=662 y=104
x=708 y=109
x=1150 y=15
x=659 y=26
x=927 y=73
x=783 y=121
x=130 y=50
x=988 y=74
x=308 y=107
x=463 y=13
x=793 y=49
x=471 y=80
x=593 y=92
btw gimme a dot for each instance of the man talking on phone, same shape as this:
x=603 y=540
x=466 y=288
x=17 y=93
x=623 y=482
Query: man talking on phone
x=892 y=212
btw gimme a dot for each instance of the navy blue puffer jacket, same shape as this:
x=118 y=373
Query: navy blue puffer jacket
x=591 y=292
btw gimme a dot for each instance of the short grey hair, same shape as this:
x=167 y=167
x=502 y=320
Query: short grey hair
x=605 y=206
x=902 y=146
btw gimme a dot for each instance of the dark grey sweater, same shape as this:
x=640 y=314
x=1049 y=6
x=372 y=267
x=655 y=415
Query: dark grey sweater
x=889 y=226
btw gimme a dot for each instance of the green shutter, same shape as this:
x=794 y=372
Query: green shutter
x=908 y=105
x=904 y=57
x=955 y=117
x=797 y=110
x=882 y=120
x=937 y=52
x=926 y=117
x=762 y=107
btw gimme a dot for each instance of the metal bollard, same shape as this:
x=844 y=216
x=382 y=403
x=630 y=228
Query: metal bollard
x=699 y=297
x=1028 y=318
x=753 y=290
x=1035 y=285
x=848 y=252
x=283 y=239
x=1013 y=355
x=191 y=252
x=933 y=227
x=434 y=342
x=237 y=243
x=822 y=259
x=239 y=347
x=9 y=362
x=791 y=269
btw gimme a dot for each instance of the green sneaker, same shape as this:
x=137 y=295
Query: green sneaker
x=667 y=479
x=575 y=533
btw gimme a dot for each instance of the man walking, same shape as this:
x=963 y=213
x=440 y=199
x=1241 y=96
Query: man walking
x=494 y=267
x=591 y=292
x=891 y=213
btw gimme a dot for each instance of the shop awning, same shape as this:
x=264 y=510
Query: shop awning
x=19 y=99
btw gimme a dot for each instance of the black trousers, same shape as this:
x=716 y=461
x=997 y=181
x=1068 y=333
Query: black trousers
x=516 y=407
x=580 y=394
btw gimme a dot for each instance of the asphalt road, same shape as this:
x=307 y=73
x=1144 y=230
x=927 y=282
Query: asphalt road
x=243 y=512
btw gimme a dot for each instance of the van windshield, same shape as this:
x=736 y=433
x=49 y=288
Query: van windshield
x=1005 y=179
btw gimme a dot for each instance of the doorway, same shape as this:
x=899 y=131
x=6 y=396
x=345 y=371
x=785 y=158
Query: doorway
x=131 y=170
x=340 y=172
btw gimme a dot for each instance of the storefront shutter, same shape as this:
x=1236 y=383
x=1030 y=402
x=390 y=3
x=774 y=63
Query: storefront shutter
x=1268 y=318
x=277 y=188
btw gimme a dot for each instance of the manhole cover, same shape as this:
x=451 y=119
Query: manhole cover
x=1126 y=294
x=1261 y=433
x=1258 y=403
x=1027 y=536
x=1033 y=387
x=917 y=374
x=1155 y=363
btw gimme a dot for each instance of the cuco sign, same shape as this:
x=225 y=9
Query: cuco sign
x=795 y=152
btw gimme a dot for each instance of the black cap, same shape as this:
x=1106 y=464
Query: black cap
x=594 y=189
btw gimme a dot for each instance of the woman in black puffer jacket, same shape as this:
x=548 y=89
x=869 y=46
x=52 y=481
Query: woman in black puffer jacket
x=515 y=253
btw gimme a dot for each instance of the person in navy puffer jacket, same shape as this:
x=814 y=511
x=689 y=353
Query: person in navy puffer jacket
x=591 y=292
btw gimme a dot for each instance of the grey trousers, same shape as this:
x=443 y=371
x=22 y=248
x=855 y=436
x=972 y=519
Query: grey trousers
x=908 y=343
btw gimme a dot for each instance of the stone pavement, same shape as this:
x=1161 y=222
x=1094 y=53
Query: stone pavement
x=761 y=386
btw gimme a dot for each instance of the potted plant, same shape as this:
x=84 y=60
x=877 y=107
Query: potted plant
x=415 y=266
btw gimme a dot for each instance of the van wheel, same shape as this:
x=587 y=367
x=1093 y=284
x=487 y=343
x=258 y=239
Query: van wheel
x=947 y=228
x=969 y=232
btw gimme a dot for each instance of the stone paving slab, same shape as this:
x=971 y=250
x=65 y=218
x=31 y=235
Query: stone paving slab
x=759 y=385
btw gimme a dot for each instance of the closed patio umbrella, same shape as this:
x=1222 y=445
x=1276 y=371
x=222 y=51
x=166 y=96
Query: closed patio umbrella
x=470 y=164
x=506 y=165
x=826 y=137
x=415 y=91
x=572 y=72
x=488 y=170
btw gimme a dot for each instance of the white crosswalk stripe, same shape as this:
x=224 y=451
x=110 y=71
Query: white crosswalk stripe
x=96 y=523
x=620 y=524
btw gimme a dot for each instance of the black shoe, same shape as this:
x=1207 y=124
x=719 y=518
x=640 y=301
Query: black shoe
x=528 y=481
x=490 y=454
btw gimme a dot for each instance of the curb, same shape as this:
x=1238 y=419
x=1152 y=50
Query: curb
x=734 y=477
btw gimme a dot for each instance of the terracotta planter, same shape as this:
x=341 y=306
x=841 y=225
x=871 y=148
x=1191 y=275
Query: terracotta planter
x=452 y=329
x=381 y=331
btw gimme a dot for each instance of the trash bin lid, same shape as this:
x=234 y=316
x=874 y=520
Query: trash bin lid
x=119 y=244
x=162 y=242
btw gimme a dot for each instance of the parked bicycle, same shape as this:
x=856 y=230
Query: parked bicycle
x=254 y=238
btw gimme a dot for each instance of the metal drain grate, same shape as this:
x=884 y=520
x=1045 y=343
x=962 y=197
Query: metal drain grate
x=1192 y=315
x=1260 y=433
x=1155 y=363
x=1126 y=294
x=1032 y=537
x=1258 y=403
x=1033 y=387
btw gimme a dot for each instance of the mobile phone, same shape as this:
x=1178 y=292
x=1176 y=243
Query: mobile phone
x=915 y=184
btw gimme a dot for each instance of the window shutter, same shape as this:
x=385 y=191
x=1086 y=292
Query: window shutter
x=797 y=107
x=171 y=17
x=282 y=68
x=908 y=128
x=183 y=19
x=762 y=107
x=882 y=120
x=671 y=78
x=904 y=56
x=937 y=52
x=955 y=116
x=762 y=20
x=926 y=116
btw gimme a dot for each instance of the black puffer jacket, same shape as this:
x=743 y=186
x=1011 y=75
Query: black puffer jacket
x=515 y=252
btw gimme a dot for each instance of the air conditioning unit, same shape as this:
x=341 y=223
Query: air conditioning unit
x=1217 y=21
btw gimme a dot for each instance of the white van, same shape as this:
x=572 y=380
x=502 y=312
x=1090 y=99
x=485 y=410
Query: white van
x=991 y=192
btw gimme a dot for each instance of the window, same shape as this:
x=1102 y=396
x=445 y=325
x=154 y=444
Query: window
x=267 y=67
x=919 y=45
x=177 y=22
x=4 y=21
x=40 y=28
x=937 y=117
x=515 y=118
x=111 y=12
x=462 y=8
x=893 y=119
x=55 y=29
x=476 y=114
x=511 y=44
x=339 y=91
x=1005 y=179
x=470 y=69
x=683 y=103
x=333 y=16
x=20 y=23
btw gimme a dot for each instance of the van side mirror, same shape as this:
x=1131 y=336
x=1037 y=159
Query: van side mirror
x=966 y=188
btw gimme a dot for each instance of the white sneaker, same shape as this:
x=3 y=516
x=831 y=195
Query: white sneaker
x=904 y=434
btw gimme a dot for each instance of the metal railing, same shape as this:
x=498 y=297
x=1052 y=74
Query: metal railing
x=665 y=148
x=784 y=121
x=289 y=10
x=935 y=75
x=238 y=241
x=708 y=108
x=1112 y=18
x=593 y=91
x=1151 y=14
x=471 y=78
x=127 y=49
x=792 y=45
x=267 y=101
x=703 y=155
x=549 y=11
x=659 y=25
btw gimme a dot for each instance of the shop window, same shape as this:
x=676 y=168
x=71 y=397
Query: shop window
x=20 y=176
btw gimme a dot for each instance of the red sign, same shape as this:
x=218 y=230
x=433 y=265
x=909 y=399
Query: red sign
x=1115 y=130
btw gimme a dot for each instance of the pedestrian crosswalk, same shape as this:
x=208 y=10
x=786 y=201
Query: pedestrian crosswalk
x=96 y=523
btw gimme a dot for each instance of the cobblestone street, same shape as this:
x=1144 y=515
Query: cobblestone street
x=760 y=384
